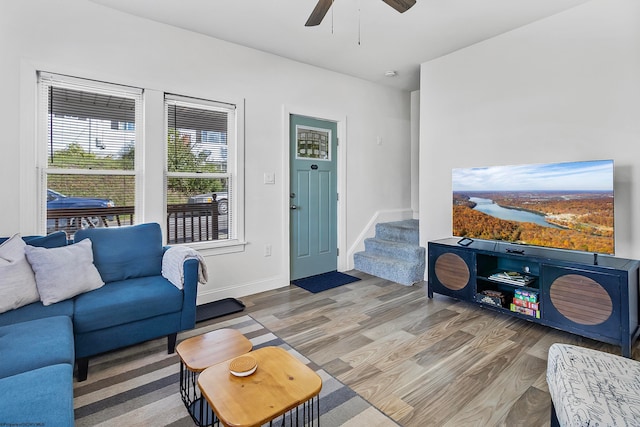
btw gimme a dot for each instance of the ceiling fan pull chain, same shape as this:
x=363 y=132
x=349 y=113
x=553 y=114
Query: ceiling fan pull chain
x=332 y=17
x=359 y=19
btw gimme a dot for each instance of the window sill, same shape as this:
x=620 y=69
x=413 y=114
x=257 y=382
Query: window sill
x=215 y=248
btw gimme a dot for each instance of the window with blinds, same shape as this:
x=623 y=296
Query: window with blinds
x=88 y=135
x=200 y=169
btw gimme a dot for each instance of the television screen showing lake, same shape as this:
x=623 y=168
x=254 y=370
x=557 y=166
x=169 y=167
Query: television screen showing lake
x=566 y=205
x=490 y=208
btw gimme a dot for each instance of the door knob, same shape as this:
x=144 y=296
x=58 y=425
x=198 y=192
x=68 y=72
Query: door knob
x=293 y=207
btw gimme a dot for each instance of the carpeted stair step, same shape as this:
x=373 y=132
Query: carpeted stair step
x=399 y=231
x=394 y=253
x=392 y=249
x=393 y=269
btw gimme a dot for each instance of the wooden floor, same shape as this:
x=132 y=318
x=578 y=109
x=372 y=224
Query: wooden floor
x=438 y=362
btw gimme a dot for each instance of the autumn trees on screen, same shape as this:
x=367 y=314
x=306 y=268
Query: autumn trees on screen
x=587 y=223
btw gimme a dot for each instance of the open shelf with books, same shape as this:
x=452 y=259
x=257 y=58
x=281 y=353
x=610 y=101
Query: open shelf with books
x=511 y=271
x=512 y=278
x=515 y=298
x=595 y=297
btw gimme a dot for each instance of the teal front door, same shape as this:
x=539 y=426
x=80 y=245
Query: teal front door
x=313 y=196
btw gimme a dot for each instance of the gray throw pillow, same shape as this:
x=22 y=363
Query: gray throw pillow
x=62 y=273
x=17 y=283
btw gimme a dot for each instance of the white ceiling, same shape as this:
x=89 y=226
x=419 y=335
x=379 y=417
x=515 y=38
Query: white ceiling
x=362 y=38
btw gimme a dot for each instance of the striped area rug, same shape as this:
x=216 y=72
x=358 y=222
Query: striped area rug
x=139 y=385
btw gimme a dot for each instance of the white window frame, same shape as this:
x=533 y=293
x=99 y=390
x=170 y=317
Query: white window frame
x=64 y=81
x=234 y=173
x=144 y=182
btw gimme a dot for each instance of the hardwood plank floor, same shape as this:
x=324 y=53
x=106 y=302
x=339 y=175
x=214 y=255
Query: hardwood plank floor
x=423 y=362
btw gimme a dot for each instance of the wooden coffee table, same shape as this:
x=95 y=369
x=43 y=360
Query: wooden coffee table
x=197 y=354
x=280 y=386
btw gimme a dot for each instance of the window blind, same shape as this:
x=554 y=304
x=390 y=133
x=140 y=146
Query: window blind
x=89 y=131
x=200 y=138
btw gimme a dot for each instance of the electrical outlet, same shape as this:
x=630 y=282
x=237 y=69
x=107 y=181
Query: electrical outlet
x=267 y=250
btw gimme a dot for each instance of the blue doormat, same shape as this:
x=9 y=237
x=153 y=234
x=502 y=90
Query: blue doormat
x=324 y=281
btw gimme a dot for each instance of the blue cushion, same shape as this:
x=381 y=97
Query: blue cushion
x=53 y=240
x=36 y=311
x=125 y=252
x=96 y=342
x=121 y=302
x=42 y=397
x=35 y=344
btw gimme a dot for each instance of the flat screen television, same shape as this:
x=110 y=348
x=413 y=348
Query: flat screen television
x=558 y=205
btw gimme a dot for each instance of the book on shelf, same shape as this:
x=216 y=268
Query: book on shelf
x=526 y=295
x=512 y=278
x=526 y=311
x=528 y=304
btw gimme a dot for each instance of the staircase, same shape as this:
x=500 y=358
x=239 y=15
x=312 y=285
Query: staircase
x=394 y=253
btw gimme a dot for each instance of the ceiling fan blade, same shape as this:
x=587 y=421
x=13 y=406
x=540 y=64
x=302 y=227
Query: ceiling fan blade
x=400 y=5
x=319 y=12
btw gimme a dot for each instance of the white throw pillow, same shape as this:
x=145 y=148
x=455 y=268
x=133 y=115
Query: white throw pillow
x=17 y=283
x=62 y=273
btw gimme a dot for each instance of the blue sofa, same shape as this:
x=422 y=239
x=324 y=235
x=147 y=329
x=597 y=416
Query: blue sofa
x=40 y=344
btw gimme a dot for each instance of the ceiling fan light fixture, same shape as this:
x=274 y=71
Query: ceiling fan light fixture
x=391 y=73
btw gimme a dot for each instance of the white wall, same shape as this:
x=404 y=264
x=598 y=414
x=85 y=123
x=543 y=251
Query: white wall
x=415 y=153
x=561 y=89
x=80 y=38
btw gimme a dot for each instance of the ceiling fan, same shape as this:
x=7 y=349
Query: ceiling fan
x=323 y=6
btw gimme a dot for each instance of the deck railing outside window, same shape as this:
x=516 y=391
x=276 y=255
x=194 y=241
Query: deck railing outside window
x=186 y=223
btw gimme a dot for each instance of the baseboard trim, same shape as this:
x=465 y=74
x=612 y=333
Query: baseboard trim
x=239 y=290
